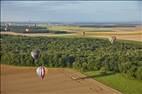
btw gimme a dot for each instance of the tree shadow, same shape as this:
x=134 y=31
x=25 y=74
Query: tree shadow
x=94 y=76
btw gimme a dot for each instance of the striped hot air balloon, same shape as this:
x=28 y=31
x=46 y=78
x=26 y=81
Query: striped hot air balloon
x=41 y=72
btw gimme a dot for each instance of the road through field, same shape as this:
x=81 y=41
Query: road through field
x=23 y=80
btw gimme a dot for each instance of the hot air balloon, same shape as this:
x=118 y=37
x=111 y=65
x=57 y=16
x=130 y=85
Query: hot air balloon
x=35 y=54
x=112 y=39
x=27 y=30
x=41 y=72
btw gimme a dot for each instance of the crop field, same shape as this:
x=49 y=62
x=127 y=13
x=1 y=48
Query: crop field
x=23 y=80
x=122 y=33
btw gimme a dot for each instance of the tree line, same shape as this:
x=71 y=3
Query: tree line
x=31 y=29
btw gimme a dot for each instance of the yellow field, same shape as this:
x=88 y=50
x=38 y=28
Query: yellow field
x=121 y=33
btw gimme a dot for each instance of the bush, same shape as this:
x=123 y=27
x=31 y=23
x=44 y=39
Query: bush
x=139 y=73
x=103 y=70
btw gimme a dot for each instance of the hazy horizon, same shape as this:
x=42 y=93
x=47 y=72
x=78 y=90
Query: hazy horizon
x=72 y=11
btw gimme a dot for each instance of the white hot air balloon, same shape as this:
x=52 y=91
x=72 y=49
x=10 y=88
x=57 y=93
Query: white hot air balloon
x=41 y=72
x=27 y=30
x=112 y=39
x=35 y=54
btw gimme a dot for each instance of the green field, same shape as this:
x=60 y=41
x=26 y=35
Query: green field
x=118 y=81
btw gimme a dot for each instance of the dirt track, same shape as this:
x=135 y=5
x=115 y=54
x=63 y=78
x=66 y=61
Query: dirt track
x=23 y=80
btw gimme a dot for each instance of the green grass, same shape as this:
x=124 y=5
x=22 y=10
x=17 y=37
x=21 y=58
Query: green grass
x=118 y=81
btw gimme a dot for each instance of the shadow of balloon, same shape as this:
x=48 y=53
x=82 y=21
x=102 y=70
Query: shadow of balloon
x=94 y=76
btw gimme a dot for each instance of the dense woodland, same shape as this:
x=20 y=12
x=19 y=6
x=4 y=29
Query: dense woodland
x=84 y=54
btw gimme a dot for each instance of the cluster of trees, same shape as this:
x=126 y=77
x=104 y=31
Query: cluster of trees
x=32 y=29
x=21 y=28
x=85 y=54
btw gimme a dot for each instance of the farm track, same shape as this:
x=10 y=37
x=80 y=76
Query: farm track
x=23 y=80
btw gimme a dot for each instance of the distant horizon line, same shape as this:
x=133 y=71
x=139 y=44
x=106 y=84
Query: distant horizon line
x=59 y=22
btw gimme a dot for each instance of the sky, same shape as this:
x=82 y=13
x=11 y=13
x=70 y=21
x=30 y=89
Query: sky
x=72 y=11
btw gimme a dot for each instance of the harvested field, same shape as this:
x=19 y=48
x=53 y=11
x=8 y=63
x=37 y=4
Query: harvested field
x=121 y=35
x=134 y=36
x=23 y=80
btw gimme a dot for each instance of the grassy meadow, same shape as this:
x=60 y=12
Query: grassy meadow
x=118 y=81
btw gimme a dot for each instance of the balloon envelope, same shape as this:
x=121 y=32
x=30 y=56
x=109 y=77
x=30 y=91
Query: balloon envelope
x=27 y=30
x=112 y=39
x=35 y=54
x=41 y=72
